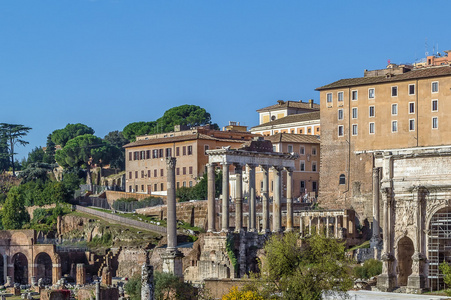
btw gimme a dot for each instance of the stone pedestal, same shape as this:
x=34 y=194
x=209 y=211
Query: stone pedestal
x=386 y=282
x=147 y=284
x=80 y=274
x=33 y=281
x=416 y=282
x=172 y=262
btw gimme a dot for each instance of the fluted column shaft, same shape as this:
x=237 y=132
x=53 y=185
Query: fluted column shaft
x=211 y=197
x=171 y=204
x=276 y=212
x=289 y=200
x=238 y=198
x=252 y=200
x=265 y=200
x=225 y=197
x=376 y=214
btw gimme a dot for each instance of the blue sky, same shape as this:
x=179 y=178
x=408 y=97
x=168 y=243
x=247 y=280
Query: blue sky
x=108 y=63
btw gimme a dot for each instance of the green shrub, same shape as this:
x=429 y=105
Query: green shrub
x=370 y=268
x=133 y=287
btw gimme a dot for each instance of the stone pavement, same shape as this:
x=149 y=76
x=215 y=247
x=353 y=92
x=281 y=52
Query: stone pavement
x=370 y=295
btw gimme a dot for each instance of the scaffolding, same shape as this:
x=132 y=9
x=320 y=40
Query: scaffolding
x=439 y=247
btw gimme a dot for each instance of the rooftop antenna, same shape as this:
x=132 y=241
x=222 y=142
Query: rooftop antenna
x=426 y=53
x=433 y=50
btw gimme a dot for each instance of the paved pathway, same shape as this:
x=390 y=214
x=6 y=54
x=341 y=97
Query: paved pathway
x=370 y=295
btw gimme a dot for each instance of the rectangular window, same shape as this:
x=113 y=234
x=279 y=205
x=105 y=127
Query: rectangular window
x=340 y=96
x=142 y=174
x=371 y=93
x=394 y=109
x=340 y=130
x=313 y=150
x=340 y=114
x=354 y=129
x=372 y=128
x=354 y=95
x=313 y=166
x=411 y=107
x=302 y=186
x=142 y=187
x=372 y=111
x=314 y=186
x=155 y=153
x=411 y=89
x=161 y=173
x=155 y=173
x=190 y=170
x=143 y=155
x=130 y=175
x=177 y=151
x=184 y=183
x=354 y=112
x=135 y=155
x=136 y=174
x=394 y=126
x=290 y=148
x=434 y=105
x=434 y=87
x=190 y=184
x=168 y=152
x=148 y=173
x=190 y=150
x=184 y=170
x=162 y=186
x=434 y=122
x=178 y=184
x=160 y=152
x=155 y=187
x=206 y=147
x=148 y=154
x=184 y=150
x=329 y=97
x=130 y=156
x=177 y=171
x=302 y=165
x=412 y=125
x=394 y=91
x=302 y=150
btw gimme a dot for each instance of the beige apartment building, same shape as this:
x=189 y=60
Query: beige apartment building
x=386 y=153
x=146 y=157
x=289 y=117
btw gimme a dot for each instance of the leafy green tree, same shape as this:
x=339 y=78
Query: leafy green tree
x=12 y=135
x=4 y=154
x=290 y=271
x=62 y=136
x=189 y=115
x=14 y=214
x=35 y=156
x=168 y=285
x=115 y=138
x=50 y=151
x=132 y=130
x=445 y=268
x=35 y=171
x=71 y=182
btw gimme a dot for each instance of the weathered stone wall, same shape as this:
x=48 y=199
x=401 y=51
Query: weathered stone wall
x=31 y=209
x=113 y=196
x=216 y=288
x=130 y=261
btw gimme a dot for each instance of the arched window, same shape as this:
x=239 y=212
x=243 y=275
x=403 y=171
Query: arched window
x=342 y=179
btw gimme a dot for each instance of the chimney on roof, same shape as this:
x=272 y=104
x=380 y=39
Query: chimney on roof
x=310 y=102
x=281 y=102
x=300 y=101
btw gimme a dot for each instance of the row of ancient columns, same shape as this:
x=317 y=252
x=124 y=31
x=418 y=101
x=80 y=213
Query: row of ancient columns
x=277 y=197
x=335 y=221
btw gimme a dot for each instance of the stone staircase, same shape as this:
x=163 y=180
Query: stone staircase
x=110 y=259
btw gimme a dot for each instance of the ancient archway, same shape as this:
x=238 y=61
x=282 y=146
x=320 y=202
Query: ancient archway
x=43 y=264
x=20 y=263
x=439 y=245
x=405 y=252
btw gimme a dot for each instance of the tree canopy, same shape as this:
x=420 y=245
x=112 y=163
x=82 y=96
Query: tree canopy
x=290 y=271
x=187 y=115
x=62 y=136
x=14 y=215
x=11 y=135
x=78 y=151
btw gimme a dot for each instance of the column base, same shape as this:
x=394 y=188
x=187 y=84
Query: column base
x=172 y=262
x=416 y=283
x=386 y=282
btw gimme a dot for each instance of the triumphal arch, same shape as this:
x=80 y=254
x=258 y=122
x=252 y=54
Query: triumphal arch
x=24 y=261
x=412 y=204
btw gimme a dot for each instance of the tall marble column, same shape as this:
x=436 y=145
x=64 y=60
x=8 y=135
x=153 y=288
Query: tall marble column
x=327 y=226
x=310 y=225
x=318 y=225
x=211 y=198
x=172 y=258
x=265 y=200
x=376 y=239
x=336 y=227
x=239 y=198
x=301 y=226
x=416 y=282
x=225 y=198
x=252 y=200
x=387 y=280
x=289 y=199
x=276 y=210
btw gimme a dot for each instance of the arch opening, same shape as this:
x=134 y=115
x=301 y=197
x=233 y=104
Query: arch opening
x=20 y=262
x=44 y=268
x=405 y=252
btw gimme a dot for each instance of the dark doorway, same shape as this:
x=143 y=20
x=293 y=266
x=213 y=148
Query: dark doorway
x=405 y=252
x=44 y=268
x=20 y=262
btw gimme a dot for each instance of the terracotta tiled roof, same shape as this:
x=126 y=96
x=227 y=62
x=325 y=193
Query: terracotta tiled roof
x=414 y=74
x=290 y=104
x=182 y=138
x=293 y=138
x=291 y=119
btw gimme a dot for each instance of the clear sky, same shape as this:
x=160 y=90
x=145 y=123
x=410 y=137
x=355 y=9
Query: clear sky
x=108 y=63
